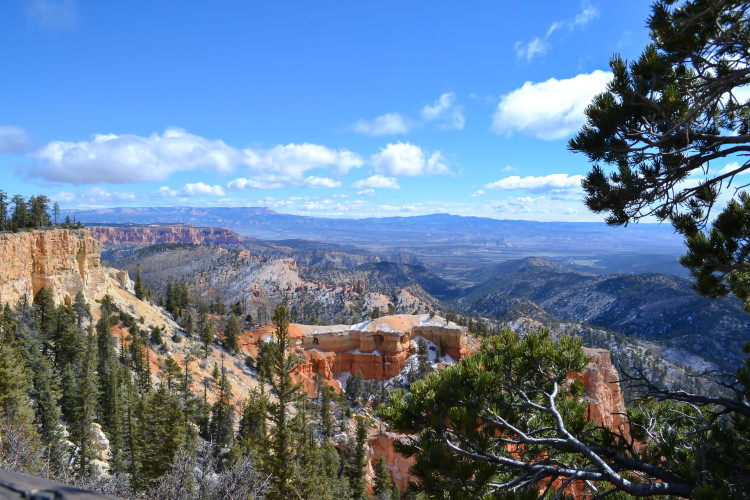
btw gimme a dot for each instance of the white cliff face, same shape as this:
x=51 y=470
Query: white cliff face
x=63 y=261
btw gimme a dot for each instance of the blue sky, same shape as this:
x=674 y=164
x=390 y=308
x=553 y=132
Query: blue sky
x=347 y=109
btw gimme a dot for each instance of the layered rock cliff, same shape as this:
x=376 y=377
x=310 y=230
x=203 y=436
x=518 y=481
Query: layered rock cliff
x=116 y=237
x=379 y=348
x=65 y=262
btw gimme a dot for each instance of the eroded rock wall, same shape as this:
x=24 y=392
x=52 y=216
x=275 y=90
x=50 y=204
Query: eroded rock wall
x=65 y=262
x=115 y=237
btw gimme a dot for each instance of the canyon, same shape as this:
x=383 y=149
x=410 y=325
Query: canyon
x=67 y=262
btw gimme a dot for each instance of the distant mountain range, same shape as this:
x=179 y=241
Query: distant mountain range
x=455 y=242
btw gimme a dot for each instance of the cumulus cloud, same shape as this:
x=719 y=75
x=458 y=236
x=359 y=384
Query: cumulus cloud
x=444 y=110
x=477 y=194
x=376 y=182
x=387 y=124
x=553 y=183
x=366 y=192
x=539 y=45
x=287 y=165
x=242 y=183
x=129 y=158
x=549 y=110
x=201 y=189
x=321 y=182
x=407 y=160
x=13 y=139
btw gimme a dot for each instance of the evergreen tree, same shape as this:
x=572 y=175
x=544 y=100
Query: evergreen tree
x=423 y=359
x=283 y=363
x=84 y=412
x=162 y=410
x=82 y=310
x=3 y=210
x=140 y=288
x=326 y=423
x=355 y=470
x=354 y=387
x=222 y=413
x=382 y=488
x=665 y=118
x=14 y=384
x=252 y=435
x=20 y=214
x=232 y=333
x=155 y=336
x=207 y=337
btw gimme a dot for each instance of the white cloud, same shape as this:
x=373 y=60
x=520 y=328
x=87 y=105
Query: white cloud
x=541 y=208
x=242 y=183
x=94 y=198
x=553 y=183
x=477 y=194
x=13 y=139
x=287 y=165
x=321 y=182
x=407 y=160
x=165 y=192
x=387 y=124
x=539 y=45
x=366 y=192
x=444 y=110
x=377 y=182
x=129 y=158
x=527 y=50
x=731 y=167
x=201 y=189
x=549 y=110
x=508 y=168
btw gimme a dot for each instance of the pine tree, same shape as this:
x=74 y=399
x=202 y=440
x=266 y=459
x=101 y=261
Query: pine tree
x=326 y=424
x=222 y=413
x=20 y=213
x=14 y=384
x=355 y=470
x=382 y=487
x=162 y=410
x=232 y=333
x=423 y=359
x=354 y=387
x=283 y=363
x=252 y=435
x=140 y=288
x=207 y=337
x=84 y=412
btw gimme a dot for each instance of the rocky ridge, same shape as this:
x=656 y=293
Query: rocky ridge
x=130 y=236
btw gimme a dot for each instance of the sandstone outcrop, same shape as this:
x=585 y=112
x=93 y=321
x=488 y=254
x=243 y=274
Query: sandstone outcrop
x=116 y=236
x=65 y=262
x=378 y=348
x=603 y=394
x=381 y=445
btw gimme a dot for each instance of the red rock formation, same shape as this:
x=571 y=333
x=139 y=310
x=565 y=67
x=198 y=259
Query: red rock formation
x=379 y=348
x=381 y=445
x=606 y=404
x=115 y=237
